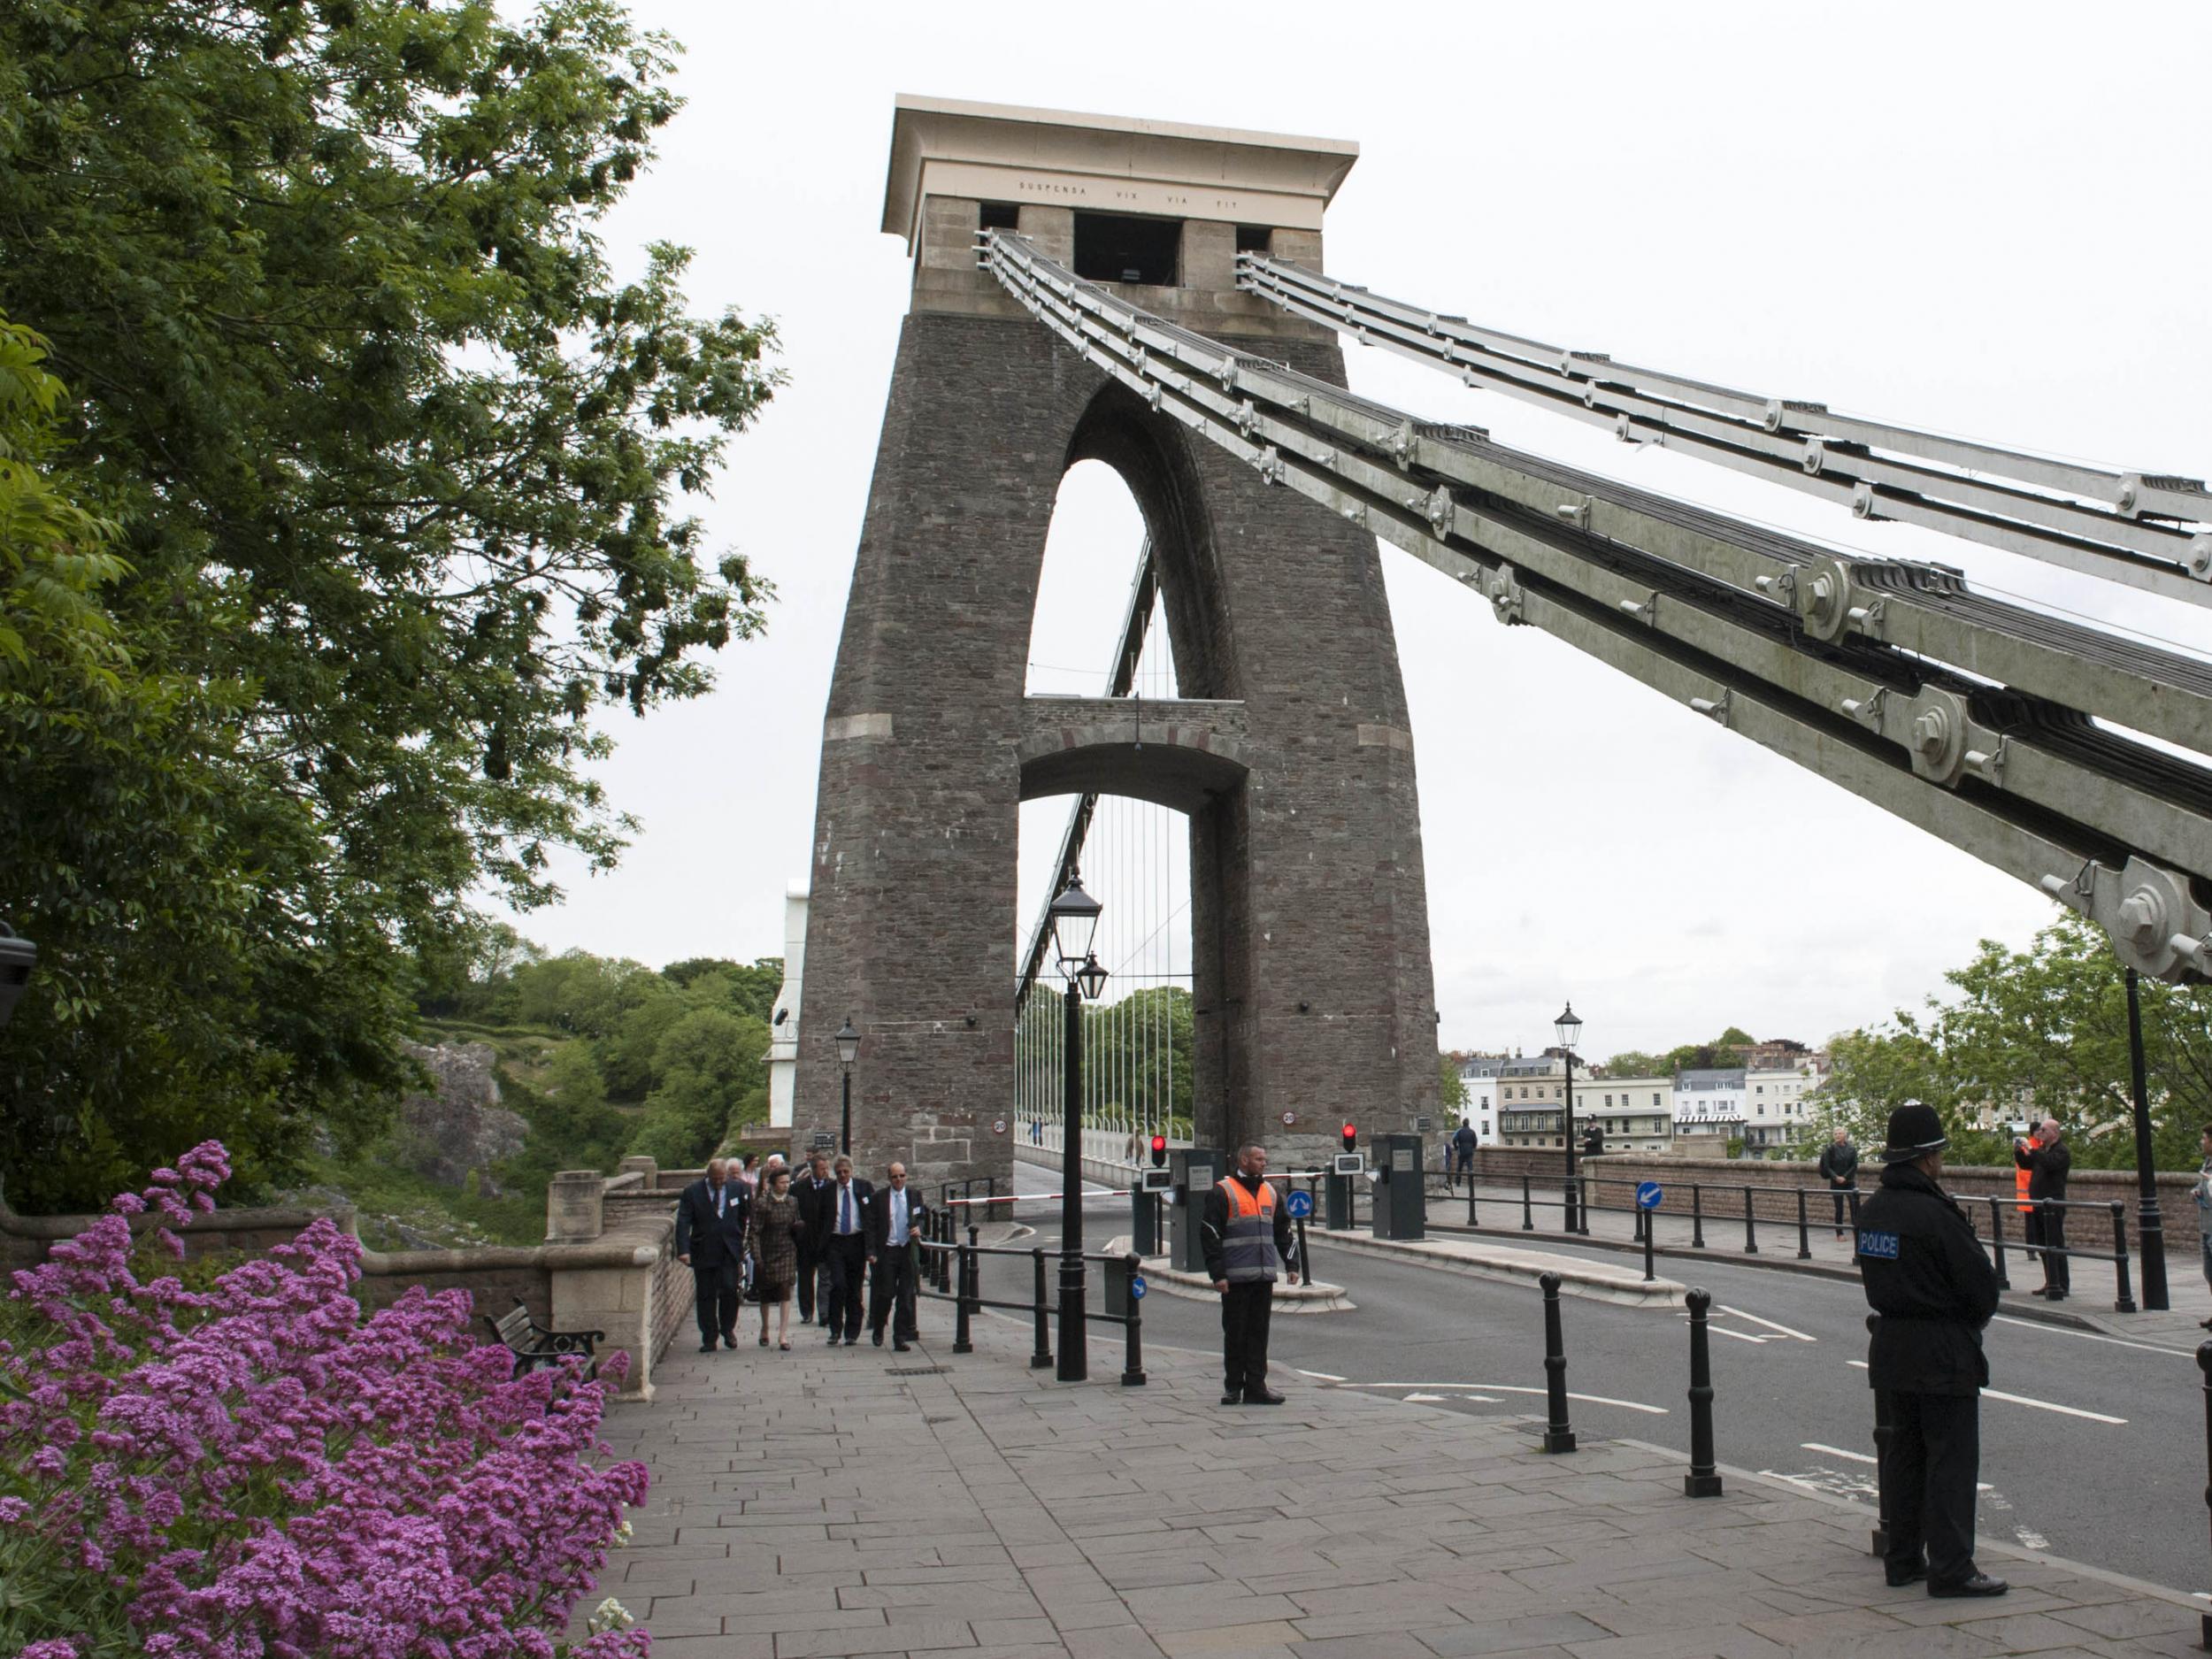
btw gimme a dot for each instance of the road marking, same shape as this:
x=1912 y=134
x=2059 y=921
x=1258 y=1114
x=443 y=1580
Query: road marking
x=2090 y=1336
x=1425 y=1400
x=1486 y=1399
x=1319 y=1376
x=1741 y=1336
x=1836 y=1451
x=1770 y=1324
x=1508 y=1388
x=2045 y=1405
x=2040 y=1405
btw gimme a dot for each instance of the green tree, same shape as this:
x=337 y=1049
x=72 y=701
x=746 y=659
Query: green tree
x=708 y=1064
x=1454 y=1087
x=399 y=465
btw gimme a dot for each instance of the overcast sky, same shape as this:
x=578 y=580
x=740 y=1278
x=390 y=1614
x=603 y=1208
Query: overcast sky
x=1984 y=220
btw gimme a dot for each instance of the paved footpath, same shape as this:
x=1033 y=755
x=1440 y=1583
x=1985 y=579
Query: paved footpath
x=859 y=1500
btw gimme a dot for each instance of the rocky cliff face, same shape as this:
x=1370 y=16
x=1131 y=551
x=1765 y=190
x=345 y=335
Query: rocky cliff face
x=460 y=1125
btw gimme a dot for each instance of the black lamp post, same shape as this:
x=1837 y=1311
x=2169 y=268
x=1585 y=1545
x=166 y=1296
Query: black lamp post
x=847 y=1051
x=1074 y=920
x=1570 y=1030
x=2150 y=1225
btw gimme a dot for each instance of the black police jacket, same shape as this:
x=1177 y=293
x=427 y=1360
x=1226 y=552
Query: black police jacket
x=1926 y=1276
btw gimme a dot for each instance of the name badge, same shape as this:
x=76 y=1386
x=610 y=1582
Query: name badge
x=1883 y=1245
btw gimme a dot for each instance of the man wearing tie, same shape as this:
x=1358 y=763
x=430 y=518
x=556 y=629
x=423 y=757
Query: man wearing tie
x=894 y=1227
x=711 y=1241
x=844 y=1252
x=812 y=1190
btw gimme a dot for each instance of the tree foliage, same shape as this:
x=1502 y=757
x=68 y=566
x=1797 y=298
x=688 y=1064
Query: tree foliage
x=2034 y=1033
x=371 y=499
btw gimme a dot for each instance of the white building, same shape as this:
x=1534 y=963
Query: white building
x=1481 y=1077
x=1709 y=1111
x=783 y=1030
x=1637 y=1113
x=1776 y=1110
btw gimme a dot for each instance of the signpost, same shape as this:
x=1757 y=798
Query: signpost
x=1300 y=1205
x=1648 y=1195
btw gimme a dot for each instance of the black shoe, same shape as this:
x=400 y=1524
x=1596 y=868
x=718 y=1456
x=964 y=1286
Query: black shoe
x=729 y=1338
x=832 y=1338
x=902 y=1347
x=1979 y=1584
x=1262 y=1397
x=876 y=1337
x=1235 y=1397
x=850 y=1341
x=2055 y=1295
x=707 y=1346
x=1911 y=1575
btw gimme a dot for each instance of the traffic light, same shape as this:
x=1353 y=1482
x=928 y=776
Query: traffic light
x=1351 y=1137
x=1159 y=1150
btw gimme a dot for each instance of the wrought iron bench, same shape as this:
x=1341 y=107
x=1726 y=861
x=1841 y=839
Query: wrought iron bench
x=532 y=1345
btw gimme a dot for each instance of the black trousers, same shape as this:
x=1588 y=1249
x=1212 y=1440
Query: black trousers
x=2057 y=1274
x=1935 y=1451
x=1847 y=1197
x=845 y=1259
x=716 y=1288
x=891 y=1286
x=810 y=1274
x=1245 y=1311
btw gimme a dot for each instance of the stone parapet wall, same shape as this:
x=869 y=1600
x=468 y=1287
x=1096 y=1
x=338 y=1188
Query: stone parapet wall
x=1774 y=1183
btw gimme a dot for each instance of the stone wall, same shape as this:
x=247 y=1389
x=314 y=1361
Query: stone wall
x=1774 y=1184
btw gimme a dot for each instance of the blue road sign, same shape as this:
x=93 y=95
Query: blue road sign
x=1136 y=1286
x=1648 y=1195
x=1298 y=1204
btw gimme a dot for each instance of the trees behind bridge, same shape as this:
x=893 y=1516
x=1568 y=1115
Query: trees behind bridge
x=355 y=496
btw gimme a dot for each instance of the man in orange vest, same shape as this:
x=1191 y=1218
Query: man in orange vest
x=2031 y=1223
x=1245 y=1233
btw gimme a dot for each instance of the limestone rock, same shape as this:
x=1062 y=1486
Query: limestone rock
x=460 y=1126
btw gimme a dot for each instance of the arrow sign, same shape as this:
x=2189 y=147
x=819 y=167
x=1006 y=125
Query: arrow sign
x=1648 y=1195
x=1136 y=1288
x=1298 y=1204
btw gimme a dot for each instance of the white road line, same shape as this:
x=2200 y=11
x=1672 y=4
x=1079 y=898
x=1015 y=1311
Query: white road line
x=2040 y=1405
x=1319 y=1376
x=1741 y=1336
x=2090 y=1336
x=2045 y=1405
x=1480 y=1399
x=1509 y=1389
x=1836 y=1451
x=1770 y=1324
x=1425 y=1400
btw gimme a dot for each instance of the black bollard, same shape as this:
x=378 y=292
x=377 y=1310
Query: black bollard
x=1883 y=1432
x=1750 y=1226
x=1559 y=1435
x=1470 y=1198
x=1528 y=1221
x=1650 y=1220
x=2204 y=1364
x=1697 y=1217
x=1132 y=1353
x=1042 y=1359
x=2125 y=1302
x=1804 y=1242
x=963 y=1289
x=1704 y=1480
x=1305 y=1262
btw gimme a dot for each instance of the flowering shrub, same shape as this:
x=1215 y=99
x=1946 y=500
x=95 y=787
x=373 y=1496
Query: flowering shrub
x=253 y=1468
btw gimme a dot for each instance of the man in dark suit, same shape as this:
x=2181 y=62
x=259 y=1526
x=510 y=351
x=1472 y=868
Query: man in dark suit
x=2047 y=1160
x=711 y=1241
x=812 y=1190
x=895 y=1220
x=845 y=1250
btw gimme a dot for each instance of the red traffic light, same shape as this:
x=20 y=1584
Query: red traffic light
x=1159 y=1150
x=1351 y=1137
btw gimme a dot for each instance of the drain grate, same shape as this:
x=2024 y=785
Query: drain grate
x=916 y=1371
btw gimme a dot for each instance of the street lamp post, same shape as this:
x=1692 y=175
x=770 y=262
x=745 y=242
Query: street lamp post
x=2150 y=1225
x=1074 y=915
x=847 y=1051
x=1570 y=1031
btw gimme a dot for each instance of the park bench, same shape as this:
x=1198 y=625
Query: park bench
x=532 y=1345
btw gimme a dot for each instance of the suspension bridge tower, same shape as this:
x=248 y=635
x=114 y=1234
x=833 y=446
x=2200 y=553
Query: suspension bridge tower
x=1288 y=744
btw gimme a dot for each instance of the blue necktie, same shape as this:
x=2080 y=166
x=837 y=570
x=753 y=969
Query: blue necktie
x=845 y=1211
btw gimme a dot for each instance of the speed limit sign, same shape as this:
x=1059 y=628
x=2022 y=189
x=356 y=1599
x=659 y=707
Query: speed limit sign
x=1289 y=1119
x=998 y=1125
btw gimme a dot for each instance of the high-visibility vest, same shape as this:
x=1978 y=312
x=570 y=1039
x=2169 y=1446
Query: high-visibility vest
x=1248 y=1245
x=2021 y=1178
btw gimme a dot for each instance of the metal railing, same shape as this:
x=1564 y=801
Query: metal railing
x=952 y=1268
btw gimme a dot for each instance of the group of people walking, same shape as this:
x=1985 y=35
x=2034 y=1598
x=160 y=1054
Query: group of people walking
x=822 y=1237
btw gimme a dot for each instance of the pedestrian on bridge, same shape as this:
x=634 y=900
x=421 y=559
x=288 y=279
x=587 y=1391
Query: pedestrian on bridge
x=1245 y=1233
x=845 y=1252
x=710 y=1217
x=1925 y=1275
x=895 y=1220
x=772 y=1238
x=812 y=1191
x=2203 y=1196
x=2047 y=1161
x=1838 y=1166
x=1464 y=1152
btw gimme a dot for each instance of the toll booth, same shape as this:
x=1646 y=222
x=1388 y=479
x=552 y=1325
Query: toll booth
x=1196 y=1170
x=1400 y=1207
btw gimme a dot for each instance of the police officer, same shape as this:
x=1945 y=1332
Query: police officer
x=1925 y=1275
x=1245 y=1233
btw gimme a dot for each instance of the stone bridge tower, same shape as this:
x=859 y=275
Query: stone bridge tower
x=1291 y=751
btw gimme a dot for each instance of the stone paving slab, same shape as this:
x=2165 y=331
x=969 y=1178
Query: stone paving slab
x=858 y=1502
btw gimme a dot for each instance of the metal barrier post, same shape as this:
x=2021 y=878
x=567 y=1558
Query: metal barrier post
x=1132 y=1356
x=1559 y=1435
x=1704 y=1480
x=1651 y=1232
x=1804 y=1244
x=1470 y=1198
x=1305 y=1262
x=960 y=1333
x=1582 y=1197
x=1750 y=1226
x=1528 y=1221
x=1697 y=1217
x=2204 y=1364
x=1997 y=1241
x=1883 y=1432
x=2124 y=1302
x=1042 y=1359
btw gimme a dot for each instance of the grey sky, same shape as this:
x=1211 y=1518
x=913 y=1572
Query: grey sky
x=1986 y=220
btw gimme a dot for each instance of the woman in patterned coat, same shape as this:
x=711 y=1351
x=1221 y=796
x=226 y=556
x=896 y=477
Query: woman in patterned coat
x=770 y=1237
